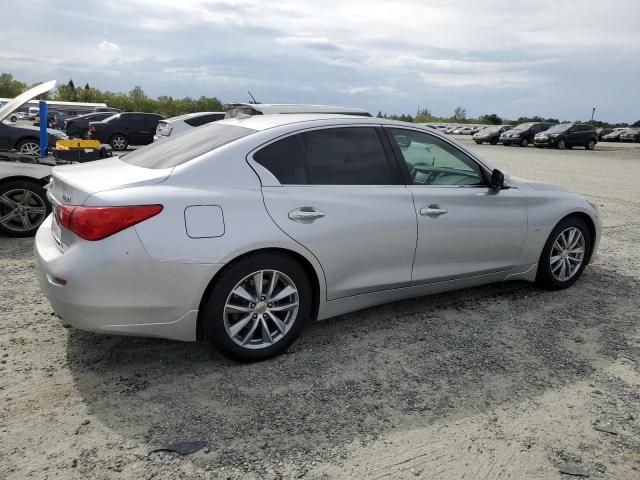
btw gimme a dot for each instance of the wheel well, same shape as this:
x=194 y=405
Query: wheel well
x=590 y=225
x=303 y=262
x=40 y=181
x=22 y=139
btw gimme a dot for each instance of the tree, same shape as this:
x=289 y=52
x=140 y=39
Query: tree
x=491 y=119
x=379 y=114
x=10 y=87
x=637 y=124
x=459 y=114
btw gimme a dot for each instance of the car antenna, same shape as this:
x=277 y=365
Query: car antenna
x=252 y=97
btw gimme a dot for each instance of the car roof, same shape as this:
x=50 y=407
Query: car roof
x=292 y=108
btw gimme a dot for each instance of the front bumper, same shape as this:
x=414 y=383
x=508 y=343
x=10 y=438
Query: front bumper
x=114 y=286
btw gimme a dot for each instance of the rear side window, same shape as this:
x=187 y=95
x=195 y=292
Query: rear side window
x=333 y=156
x=202 y=119
x=180 y=149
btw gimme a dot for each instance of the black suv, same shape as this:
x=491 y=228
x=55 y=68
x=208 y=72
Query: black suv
x=523 y=134
x=124 y=129
x=78 y=127
x=568 y=135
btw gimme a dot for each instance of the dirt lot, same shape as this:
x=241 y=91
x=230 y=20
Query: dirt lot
x=504 y=381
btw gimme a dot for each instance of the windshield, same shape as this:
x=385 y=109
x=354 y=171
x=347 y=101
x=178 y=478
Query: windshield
x=523 y=126
x=560 y=128
x=490 y=129
x=183 y=148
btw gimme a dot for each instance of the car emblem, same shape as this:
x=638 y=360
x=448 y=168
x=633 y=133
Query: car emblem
x=66 y=197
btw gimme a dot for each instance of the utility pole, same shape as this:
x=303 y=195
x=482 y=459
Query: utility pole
x=593 y=113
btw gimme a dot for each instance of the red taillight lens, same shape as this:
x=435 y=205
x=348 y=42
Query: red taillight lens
x=96 y=223
x=92 y=128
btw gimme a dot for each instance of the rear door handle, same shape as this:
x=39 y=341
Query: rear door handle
x=433 y=211
x=305 y=214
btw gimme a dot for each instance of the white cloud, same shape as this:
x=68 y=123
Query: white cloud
x=109 y=47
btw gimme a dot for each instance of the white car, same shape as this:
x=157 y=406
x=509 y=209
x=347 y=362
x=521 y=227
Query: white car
x=249 y=109
x=182 y=123
x=243 y=230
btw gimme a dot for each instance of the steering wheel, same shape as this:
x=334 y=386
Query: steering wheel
x=415 y=171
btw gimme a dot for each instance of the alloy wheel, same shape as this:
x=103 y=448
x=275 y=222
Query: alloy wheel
x=21 y=210
x=567 y=254
x=30 y=148
x=261 y=309
x=119 y=143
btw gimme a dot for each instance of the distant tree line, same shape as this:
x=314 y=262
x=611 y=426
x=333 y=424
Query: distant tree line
x=134 y=101
x=138 y=101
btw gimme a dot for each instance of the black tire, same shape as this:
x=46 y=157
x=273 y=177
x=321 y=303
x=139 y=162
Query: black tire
x=562 y=144
x=493 y=141
x=213 y=322
x=14 y=119
x=591 y=144
x=544 y=277
x=24 y=146
x=119 y=142
x=15 y=227
x=524 y=142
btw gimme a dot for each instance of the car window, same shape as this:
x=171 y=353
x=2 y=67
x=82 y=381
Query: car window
x=182 y=148
x=331 y=156
x=202 y=119
x=432 y=161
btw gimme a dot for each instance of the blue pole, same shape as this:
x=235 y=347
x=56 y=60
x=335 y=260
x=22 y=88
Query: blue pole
x=43 y=128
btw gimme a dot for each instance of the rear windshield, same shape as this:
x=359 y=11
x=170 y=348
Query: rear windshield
x=175 y=151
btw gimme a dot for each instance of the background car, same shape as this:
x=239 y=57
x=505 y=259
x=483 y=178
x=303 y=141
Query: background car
x=567 y=135
x=602 y=132
x=630 y=135
x=243 y=230
x=174 y=125
x=15 y=116
x=124 y=129
x=613 y=136
x=107 y=110
x=55 y=119
x=463 y=131
x=233 y=110
x=523 y=134
x=78 y=127
x=490 y=134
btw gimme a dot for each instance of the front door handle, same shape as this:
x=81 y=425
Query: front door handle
x=433 y=211
x=305 y=214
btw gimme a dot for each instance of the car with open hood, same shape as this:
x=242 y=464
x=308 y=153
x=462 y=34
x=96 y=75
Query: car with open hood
x=25 y=138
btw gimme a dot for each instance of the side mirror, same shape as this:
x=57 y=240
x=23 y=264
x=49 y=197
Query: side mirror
x=497 y=180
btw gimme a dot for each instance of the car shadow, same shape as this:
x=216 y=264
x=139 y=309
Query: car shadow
x=355 y=377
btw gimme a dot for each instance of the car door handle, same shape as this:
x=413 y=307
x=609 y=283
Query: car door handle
x=433 y=211
x=305 y=214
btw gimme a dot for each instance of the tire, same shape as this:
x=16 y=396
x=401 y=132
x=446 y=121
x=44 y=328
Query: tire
x=562 y=144
x=14 y=119
x=524 y=142
x=591 y=144
x=549 y=276
x=493 y=142
x=28 y=146
x=27 y=216
x=219 y=318
x=119 y=142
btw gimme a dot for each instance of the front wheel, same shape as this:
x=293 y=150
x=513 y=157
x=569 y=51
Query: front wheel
x=23 y=207
x=28 y=146
x=562 y=144
x=565 y=255
x=119 y=142
x=257 y=307
x=524 y=142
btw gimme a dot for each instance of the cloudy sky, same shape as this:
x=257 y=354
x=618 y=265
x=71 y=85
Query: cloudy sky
x=554 y=58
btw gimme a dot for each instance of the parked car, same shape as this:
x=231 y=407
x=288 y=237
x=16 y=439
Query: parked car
x=55 y=119
x=124 y=129
x=78 y=127
x=107 y=110
x=568 y=135
x=233 y=110
x=491 y=134
x=613 y=136
x=630 y=135
x=182 y=123
x=523 y=134
x=451 y=129
x=15 y=116
x=243 y=230
x=602 y=132
x=463 y=131
x=25 y=138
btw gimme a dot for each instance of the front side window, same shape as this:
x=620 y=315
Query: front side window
x=331 y=156
x=432 y=161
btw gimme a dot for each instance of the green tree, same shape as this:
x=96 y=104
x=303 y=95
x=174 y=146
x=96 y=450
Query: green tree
x=491 y=119
x=637 y=124
x=10 y=87
x=459 y=114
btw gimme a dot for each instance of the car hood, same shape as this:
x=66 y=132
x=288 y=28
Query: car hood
x=24 y=97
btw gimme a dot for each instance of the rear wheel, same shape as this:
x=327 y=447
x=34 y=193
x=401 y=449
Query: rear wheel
x=23 y=207
x=28 y=146
x=562 y=144
x=119 y=142
x=257 y=307
x=524 y=142
x=591 y=144
x=565 y=255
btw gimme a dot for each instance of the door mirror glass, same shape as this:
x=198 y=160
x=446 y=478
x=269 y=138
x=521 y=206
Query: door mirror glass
x=497 y=180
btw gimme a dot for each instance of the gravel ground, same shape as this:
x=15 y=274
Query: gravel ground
x=503 y=381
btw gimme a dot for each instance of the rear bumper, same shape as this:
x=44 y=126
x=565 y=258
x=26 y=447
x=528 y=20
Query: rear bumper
x=113 y=286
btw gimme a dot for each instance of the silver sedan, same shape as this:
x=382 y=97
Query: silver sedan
x=242 y=231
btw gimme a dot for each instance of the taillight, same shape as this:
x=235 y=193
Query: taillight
x=96 y=223
x=92 y=128
x=166 y=131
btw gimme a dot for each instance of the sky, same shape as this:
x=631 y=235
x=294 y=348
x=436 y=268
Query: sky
x=554 y=58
